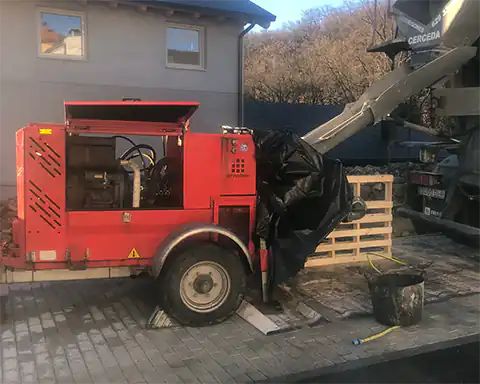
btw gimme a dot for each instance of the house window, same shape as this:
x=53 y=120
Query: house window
x=61 y=34
x=185 y=47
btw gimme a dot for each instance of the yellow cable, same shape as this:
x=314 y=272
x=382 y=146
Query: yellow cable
x=378 y=335
x=371 y=264
x=149 y=158
x=388 y=330
x=383 y=333
x=393 y=258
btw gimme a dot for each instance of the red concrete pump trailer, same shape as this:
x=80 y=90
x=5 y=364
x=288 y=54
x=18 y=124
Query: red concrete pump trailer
x=81 y=214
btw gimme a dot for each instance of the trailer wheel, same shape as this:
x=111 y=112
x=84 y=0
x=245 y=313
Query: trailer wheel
x=204 y=284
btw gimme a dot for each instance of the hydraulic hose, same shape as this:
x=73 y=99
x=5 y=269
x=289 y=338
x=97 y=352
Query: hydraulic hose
x=138 y=147
x=148 y=157
x=131 y=142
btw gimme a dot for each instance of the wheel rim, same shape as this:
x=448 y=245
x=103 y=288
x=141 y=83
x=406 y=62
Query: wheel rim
x=205 y=286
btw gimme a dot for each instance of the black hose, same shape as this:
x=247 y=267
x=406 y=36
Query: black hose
x=138 y=147
x=135 y=155
x=134 y=146
x=131 y=157
x=125 y=138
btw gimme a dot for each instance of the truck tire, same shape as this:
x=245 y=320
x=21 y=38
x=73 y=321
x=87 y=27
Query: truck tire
x=203 y=284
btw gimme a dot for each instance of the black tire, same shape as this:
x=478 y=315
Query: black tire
x=180 y=263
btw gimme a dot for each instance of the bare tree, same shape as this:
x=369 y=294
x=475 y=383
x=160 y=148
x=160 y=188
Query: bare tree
x=322 y=58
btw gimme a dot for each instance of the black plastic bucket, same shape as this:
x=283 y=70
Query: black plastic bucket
x=397 y=299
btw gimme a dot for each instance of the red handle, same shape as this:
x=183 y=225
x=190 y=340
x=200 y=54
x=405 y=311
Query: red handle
x=264 y=260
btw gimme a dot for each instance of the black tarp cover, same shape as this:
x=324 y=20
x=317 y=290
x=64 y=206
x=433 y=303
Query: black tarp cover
x=302 y=197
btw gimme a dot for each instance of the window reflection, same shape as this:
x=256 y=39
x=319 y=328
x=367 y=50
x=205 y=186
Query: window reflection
x=61 y=35
x=183 y=46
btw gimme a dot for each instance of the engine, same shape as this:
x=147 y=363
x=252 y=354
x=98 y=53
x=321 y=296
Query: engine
x=95 y=178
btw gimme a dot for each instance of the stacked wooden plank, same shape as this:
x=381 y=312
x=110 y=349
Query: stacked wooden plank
x=350 y=242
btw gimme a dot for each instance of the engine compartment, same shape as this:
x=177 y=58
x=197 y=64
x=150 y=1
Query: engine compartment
x=98 y=178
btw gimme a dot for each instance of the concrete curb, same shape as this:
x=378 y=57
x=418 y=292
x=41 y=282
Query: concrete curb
x=368 y=361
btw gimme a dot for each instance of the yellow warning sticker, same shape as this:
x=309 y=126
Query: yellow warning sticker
x=133 y=254
x=45 y=131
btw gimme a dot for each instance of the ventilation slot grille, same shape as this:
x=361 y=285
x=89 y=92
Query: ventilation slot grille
x=46 y=156
x=44 y=206
x=238 y=166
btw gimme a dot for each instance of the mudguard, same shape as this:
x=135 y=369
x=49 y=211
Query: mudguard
x=187 y=231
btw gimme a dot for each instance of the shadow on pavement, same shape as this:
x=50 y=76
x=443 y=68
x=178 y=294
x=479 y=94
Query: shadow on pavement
x=452 y=365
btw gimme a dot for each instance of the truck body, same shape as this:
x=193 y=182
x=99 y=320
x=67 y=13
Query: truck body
x=436 y=50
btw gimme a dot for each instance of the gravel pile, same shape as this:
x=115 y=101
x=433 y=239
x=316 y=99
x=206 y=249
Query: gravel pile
x=398 y=170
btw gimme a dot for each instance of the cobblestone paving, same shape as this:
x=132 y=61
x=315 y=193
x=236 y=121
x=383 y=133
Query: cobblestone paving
x=454 y=272
x=94 y=332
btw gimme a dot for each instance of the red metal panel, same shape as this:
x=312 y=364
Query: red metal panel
x=18 y=229
x=201 y=170
x=247 y=201
x=108 y=237
x=128 y=117
x=113 y=127
x=120 y=103
x=44 y=153
x=20 y=163
x=157 y=111
x=238 y=172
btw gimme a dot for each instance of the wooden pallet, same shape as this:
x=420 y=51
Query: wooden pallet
x=351 y=242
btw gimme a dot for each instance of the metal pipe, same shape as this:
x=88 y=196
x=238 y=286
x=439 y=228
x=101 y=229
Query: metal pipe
x=384 y=96
x=415 y=127
x=444 y=225
x=241 y=104
x=136 y=181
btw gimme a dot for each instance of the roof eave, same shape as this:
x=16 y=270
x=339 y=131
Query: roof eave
x=264 y=24
x=171 y=7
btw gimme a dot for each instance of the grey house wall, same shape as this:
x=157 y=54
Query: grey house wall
x=126 y=56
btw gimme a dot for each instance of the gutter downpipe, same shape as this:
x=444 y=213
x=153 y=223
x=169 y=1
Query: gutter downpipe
x=241 y=103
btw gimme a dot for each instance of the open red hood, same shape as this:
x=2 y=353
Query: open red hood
x=95 y=114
